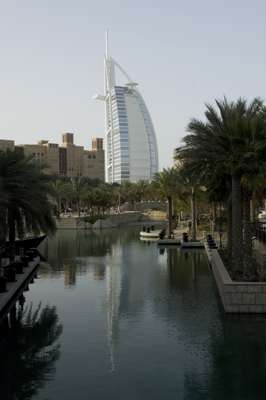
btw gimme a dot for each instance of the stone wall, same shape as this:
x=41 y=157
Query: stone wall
x=237 y=297
x=72 y=223
x=113 y=221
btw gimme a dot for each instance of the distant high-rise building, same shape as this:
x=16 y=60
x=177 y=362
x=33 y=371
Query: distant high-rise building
x=131 y=147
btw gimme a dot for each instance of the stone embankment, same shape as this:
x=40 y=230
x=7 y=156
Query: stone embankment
x=112 y=221
x=237 y=297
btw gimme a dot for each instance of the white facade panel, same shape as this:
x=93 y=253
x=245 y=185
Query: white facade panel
x=139 y=157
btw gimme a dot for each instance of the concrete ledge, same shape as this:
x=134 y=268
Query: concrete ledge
x=237 y=297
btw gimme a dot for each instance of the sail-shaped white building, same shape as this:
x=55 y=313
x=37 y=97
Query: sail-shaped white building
x=131 y=147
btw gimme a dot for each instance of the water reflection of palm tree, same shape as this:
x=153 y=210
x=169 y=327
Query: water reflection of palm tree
x=28 y=352
x=182 y=267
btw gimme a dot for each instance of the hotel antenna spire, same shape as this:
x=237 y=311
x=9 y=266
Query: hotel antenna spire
x=130 y=139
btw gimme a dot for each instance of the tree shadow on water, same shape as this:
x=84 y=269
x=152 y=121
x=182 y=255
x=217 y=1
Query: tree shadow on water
x=28 y=351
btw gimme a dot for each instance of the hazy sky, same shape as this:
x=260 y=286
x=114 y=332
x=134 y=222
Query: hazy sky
x=182 y=53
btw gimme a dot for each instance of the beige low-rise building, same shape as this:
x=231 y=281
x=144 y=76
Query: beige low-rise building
x=93 y=160
x=66 y=160
x=44 y=153
x=7 y=145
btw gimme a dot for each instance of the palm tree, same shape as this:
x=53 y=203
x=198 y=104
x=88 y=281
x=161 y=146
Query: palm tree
x=168 y=185
x=61 y=191
x=29 y=352
x=25 y=205
x=191 y=187
x=141 y=189
x=79 y=190
x=233 y=140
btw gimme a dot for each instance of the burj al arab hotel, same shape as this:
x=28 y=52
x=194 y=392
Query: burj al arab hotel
x=131 y=147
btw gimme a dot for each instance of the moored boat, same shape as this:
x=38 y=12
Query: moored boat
x=28 y=243
x=150 y=234
x=169 y=242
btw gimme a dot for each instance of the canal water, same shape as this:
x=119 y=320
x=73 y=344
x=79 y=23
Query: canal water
x=113 y=317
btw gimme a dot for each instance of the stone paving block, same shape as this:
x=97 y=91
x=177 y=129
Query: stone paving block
x=244 y=308
x=227 y=298
x=248 y=298
x=256 y=308
x=254 y=288
x=232 y=309
x=240 y=288
x=261 y=298
x=228 y=289
x=236 y=298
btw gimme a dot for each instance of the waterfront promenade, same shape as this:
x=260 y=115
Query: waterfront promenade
x=15 y=289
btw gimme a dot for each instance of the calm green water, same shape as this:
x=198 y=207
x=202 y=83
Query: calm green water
x=110 y=317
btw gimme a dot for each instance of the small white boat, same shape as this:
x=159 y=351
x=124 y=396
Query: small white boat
x=148 y=240
x=151 y=234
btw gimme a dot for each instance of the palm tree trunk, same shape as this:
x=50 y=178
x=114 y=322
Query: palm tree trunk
x=58 y=207
x=213 y=217
x=214 y=210
x=169 y=199
x=11 y=235
x=237 y=242
x=252 y=210
x=119 y=201
x=220 y=225
x=193 y=214
x=247 y=232
x=229 y=226
x=78 y=207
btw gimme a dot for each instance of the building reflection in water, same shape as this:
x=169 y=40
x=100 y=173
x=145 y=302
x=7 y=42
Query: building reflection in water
x=138 y=278
x=182 y=266
x=70 y=275
x=139 y=284
x=164 y=328
x=113 y=293
x=74 y=253
x=29 y=350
